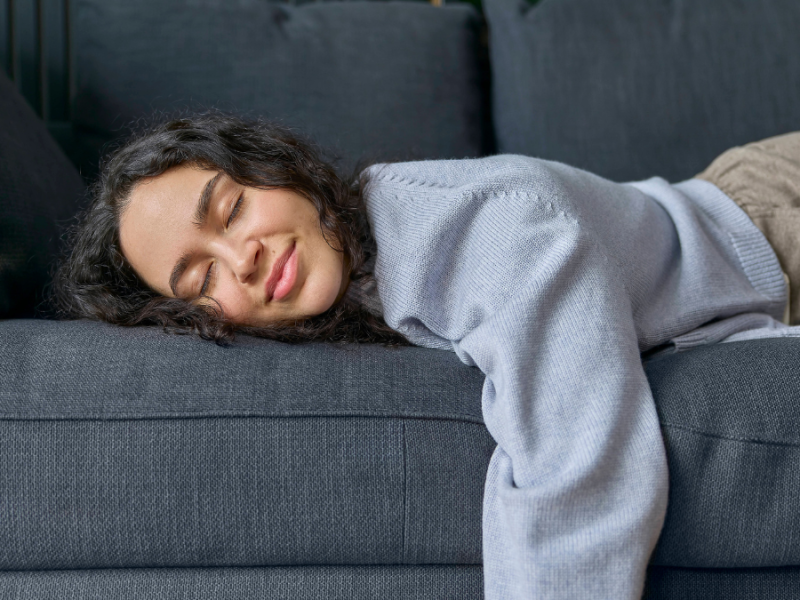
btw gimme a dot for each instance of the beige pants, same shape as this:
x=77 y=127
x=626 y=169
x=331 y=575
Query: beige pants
x=763 y=178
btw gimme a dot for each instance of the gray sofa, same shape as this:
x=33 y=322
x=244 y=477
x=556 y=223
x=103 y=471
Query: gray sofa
x=136 y=464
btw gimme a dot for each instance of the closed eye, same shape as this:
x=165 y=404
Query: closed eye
x=234 y=213
x=206 y=281
x=235 y=210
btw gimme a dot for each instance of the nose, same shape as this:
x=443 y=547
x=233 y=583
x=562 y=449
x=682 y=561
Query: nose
x=243 y=259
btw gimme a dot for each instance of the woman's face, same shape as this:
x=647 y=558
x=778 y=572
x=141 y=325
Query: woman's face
x=259 y=253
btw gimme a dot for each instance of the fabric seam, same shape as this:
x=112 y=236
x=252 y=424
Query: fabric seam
x=403 y=545
x=730 y=438
x=476 y=420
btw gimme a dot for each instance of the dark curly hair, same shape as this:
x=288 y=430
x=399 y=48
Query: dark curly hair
x=95 y=281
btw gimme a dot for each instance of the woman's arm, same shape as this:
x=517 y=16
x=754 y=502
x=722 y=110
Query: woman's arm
x=576 y=490
x=493 y=259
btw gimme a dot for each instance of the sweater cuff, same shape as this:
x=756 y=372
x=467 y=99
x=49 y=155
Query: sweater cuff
x=756 y=255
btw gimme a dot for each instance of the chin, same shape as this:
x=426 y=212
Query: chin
x=315 y=312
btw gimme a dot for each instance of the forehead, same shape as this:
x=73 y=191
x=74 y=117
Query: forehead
x=156 y=228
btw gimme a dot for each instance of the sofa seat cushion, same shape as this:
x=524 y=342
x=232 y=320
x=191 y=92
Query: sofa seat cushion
x=123 y=448
x=672 y=583
x=731 y=421
x=133 y=448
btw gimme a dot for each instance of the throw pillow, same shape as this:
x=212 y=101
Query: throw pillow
x=39 y=191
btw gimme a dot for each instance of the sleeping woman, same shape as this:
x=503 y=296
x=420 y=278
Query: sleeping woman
x=553 y=281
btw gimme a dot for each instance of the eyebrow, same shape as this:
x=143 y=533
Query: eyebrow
x=200 y=216
x=201 y=212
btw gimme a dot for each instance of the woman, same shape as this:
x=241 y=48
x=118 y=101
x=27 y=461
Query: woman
x=551 y=280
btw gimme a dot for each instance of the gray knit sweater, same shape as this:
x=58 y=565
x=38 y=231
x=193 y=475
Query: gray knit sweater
x=552 y=281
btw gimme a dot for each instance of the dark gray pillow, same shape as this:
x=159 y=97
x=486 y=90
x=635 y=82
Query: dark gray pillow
x=39 y=190
x=631 y=88
x=384 y=80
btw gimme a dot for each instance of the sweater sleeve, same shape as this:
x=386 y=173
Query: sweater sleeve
x=576 y=490
x=517 y=285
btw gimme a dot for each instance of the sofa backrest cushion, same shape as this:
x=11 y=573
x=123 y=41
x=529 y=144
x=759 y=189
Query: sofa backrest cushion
x=367 y=80
x=631 y=89
x=39 y=191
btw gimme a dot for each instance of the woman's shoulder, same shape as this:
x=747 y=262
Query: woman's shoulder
x=456 y=173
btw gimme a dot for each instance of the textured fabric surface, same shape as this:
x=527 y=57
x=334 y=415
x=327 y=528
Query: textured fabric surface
x=129 y=447
x=552 y=281
x=732 y=422
x=723 y=584
x=363 y=583
x=39 y=191
x=133 y=448
x=424 y=582
x=763 y=178
x=99 y=371
x=369 y=80
x=245 y=491
x=629 y=89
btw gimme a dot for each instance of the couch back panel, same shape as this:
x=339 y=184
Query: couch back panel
x=629 y=89
x=367 y=80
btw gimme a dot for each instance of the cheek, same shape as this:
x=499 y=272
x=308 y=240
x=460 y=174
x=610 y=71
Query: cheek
x=235 y=304
x=326 y=281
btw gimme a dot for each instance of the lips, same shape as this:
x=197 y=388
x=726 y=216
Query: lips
x=284 y=272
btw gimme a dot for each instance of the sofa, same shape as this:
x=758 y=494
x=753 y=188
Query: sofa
x=140 y=464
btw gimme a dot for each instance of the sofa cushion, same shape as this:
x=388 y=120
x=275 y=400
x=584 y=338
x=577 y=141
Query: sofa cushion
x=39 y=191
x=382 y=80
x=672 y=583
x=631 y=89
x=731 y=424
x=123 y=448
x=134 y=448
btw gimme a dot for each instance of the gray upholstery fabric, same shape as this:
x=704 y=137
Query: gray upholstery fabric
x=39 y=191
x=424 y=582
x=629 y=89
x=383 y=80
x=731 y=422
x=133 y=448
x=780 y=583
x=102 y=371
